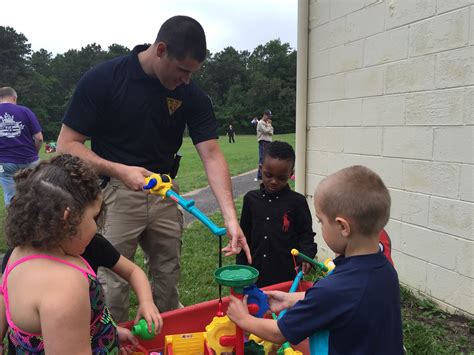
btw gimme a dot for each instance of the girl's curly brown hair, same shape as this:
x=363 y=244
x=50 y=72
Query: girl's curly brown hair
x=36 y=214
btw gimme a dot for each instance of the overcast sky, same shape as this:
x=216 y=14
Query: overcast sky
x=58 y=26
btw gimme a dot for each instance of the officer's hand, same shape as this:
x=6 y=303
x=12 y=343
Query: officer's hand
x=133 y=176
x=237 y=241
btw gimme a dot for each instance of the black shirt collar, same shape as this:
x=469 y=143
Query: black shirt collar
x=134 y=67
x=283 y=191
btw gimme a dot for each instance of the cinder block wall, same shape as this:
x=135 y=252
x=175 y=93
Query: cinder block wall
x=390 y=86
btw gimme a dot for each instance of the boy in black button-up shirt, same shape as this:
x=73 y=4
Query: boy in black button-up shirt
x=276 y=219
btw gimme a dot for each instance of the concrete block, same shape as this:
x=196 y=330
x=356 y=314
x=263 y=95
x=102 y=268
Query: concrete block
x=455 y=68
x=411 y=270
x=316 y=162
x=442 y=107
x=365 y=22
x=326 y=88
x=439 y=179
x=345 y=113
x=346 y=57
x=386 y=47
x=388 y=110
x=472 y=27
x=448 y=5
x=319 y=13
x=371 y=2
x=409 y=207
x=465 y=258
x=408 y=142
x=450 y=287
x=394 y=230
x=318 y=64
x=389 y=169
x=402 y=12
x=365 y=82
x=318 y=114
x=469 y=105
x=367 y=140
x=440 y=33
x=454 y=144
x=411 y=75
x=433 y=247
x=326 y=36
x=452 y=217
x=326 y=139
x=312 y=181
x=341 y=8
x=466 y=185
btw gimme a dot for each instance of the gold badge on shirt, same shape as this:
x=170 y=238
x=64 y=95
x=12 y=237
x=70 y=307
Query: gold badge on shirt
x=173 y=105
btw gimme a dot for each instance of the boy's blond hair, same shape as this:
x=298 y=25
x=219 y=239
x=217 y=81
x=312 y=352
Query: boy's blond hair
x=357 y=194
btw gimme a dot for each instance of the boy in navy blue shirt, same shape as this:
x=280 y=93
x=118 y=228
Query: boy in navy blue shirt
x=356 y=309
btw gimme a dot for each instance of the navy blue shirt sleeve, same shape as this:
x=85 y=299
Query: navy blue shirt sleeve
x=201 y=121
x=87 y=103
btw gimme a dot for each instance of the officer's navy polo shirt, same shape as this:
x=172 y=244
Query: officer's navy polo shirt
x=354 y=310
x=133 y=119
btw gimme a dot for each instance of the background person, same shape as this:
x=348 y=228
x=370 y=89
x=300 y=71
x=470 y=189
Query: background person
x=20 y=140
x=231 y=133
x=134 y=109
x=264 y=137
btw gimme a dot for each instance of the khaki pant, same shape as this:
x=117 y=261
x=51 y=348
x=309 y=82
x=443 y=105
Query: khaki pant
x=156 y=224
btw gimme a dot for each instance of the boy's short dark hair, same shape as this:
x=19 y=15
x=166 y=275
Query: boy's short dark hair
x=280 y=150
x=358 y=194
x=184 y=37
x=36 y=214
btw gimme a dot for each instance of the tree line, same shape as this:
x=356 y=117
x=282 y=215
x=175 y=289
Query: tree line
x=241 y=84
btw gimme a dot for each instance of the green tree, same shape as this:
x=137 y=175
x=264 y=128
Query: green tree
x=14 y=56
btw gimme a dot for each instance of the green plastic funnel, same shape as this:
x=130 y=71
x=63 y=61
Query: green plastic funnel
x=236 y=276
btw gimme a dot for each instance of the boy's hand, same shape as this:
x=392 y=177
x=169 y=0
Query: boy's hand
x=306 y=267
x=126 y=337
x=149 y=312
x=278 y=300
x=237 y=310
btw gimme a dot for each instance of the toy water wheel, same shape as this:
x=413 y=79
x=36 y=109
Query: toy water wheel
x=236 y=276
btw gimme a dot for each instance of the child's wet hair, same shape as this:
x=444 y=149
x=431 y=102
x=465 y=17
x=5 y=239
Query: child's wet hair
x=36 y=214
x=281 y=151
x=358 y=194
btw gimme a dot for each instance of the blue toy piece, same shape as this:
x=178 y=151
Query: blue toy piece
x=256 y=296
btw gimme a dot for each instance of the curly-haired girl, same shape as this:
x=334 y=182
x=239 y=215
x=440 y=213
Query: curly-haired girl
x=53 y=300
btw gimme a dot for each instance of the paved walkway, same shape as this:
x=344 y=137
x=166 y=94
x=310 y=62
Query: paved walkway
x=206 y=201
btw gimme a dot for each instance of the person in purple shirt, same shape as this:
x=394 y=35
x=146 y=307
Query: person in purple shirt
x=20 y=140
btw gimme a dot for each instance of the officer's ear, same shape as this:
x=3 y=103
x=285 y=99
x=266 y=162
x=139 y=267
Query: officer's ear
x=161 y=49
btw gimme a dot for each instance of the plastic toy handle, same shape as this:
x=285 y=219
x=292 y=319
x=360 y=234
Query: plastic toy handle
x=313 y=262
x=151 y=184
x=188 y=205
x=161 y=184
